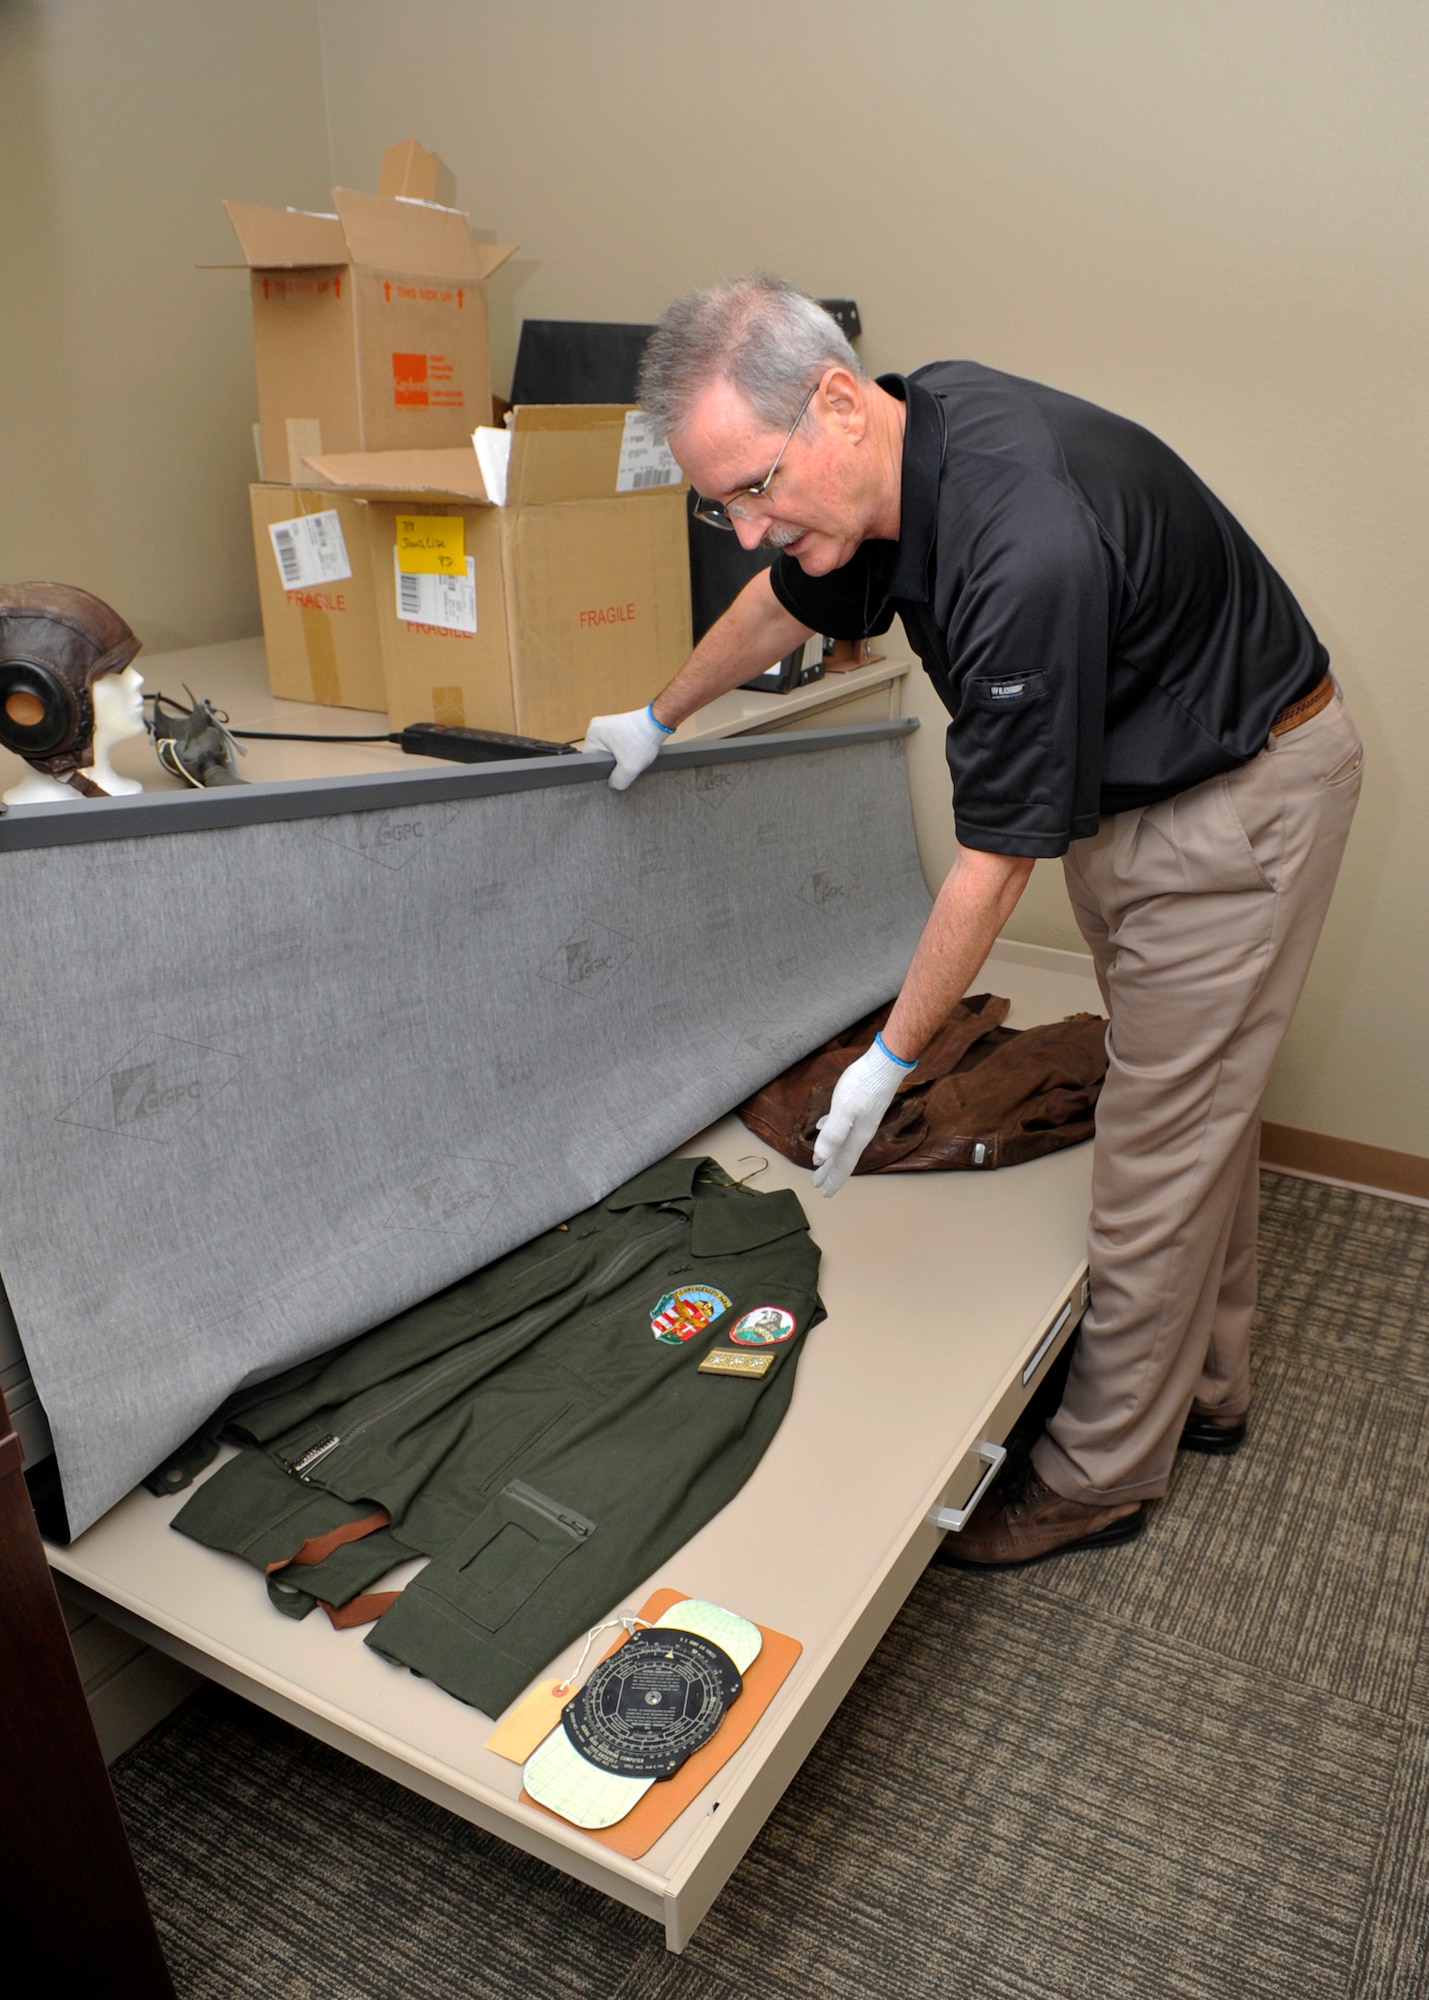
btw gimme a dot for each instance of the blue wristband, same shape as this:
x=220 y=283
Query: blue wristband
x=893 y=1058
x=665 y=728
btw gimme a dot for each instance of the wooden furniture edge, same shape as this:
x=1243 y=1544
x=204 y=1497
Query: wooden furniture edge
x=78 y=1899
x=1321 y=1156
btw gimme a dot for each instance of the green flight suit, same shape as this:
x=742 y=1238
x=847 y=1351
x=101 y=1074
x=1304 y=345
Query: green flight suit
x=541 y=1430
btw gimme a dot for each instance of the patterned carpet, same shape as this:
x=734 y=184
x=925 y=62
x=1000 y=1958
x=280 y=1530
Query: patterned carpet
x=1195 y=1768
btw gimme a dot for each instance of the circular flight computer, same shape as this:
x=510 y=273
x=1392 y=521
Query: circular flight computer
x=652 y=1703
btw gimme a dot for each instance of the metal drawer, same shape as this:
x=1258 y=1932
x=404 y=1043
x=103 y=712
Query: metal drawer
x=980 y=1467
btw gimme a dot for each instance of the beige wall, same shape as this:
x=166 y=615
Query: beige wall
x=126 y=376
x=1210 y=217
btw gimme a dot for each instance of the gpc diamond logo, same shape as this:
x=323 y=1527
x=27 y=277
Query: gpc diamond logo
x=154 y=1090
x=827 y=891
x=392 y=837
x=450 y=1194
x=713 y=784
x=589 y=956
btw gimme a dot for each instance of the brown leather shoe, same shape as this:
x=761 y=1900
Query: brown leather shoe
x=1028 y=1522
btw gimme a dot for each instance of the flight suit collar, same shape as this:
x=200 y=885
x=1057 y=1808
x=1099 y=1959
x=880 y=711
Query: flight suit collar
x=742 y=1220
x=724 y=1220
x=667 y=1180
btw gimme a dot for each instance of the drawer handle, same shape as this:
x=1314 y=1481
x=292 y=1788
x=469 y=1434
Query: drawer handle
x=955 y=1519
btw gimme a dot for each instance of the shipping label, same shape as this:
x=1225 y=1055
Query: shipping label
x=310 y=551
x=644 y=460
x=442 y=603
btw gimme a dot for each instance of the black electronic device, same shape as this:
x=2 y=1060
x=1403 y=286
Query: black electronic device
x=418 y=739
x=844 y=312
x=578 y=361
x=473 y=746
x=795 y=670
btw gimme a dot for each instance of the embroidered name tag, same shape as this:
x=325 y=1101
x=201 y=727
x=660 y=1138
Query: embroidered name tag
x=1007 y=690
x=724 y=1361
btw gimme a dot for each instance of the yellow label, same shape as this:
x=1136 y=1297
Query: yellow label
x=431 y=544
x=531 y=1721
x=724 y=1361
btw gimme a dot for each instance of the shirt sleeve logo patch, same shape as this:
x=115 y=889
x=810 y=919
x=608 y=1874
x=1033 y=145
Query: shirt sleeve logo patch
x=762 y=1327
x=682 y=1314
x=1004 y=691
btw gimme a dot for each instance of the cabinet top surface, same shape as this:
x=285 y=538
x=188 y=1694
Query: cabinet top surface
x=937 y=1287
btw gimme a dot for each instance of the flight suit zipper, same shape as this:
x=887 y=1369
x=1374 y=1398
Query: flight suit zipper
x=576 y=1525
x=302 y=1466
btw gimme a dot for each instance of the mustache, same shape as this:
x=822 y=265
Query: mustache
x=779 y=538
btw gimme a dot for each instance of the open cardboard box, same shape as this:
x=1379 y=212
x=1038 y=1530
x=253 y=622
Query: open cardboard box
x=369 y=324
x=576 y=598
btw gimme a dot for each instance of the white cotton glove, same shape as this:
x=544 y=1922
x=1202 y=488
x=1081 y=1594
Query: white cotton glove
x=861 y=1096
x=631 y=739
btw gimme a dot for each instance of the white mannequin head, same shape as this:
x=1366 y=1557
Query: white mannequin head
x=118 y=715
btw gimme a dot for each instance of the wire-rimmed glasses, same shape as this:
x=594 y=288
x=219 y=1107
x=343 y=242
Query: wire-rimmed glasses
x=722 y=514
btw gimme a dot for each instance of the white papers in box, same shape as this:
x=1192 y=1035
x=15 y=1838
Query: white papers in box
x=493 y=455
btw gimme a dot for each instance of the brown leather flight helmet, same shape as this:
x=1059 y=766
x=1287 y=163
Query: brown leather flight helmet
x=56 y=641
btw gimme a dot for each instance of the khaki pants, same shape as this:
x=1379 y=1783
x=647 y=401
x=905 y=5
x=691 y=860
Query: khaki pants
x=1201 y=913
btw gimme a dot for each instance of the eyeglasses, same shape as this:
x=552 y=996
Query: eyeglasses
x=715 y=513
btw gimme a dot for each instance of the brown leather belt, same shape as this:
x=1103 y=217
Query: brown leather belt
x=1300 y=711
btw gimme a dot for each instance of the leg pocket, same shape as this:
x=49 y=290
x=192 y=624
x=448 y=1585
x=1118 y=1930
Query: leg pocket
x=505 y=1557
x=1224 y=836
x=1256 y=809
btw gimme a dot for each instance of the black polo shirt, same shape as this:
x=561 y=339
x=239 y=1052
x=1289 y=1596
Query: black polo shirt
x=1099 y=627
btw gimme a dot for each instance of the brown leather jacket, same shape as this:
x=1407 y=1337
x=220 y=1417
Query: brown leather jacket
x=983 y=1095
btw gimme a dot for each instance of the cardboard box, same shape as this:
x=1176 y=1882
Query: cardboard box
x=321 y=635
x=580 y=575
x=369 y=325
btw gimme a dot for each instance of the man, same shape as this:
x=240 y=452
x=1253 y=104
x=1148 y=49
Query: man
x=1132 y=688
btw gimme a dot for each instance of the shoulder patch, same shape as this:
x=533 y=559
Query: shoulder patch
x=763 y=1327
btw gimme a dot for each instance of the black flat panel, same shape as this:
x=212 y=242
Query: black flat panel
x=578 y=361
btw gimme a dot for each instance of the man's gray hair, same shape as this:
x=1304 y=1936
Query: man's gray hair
x=761 y=334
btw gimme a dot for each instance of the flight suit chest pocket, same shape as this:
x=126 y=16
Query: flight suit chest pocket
x=506 y=1556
